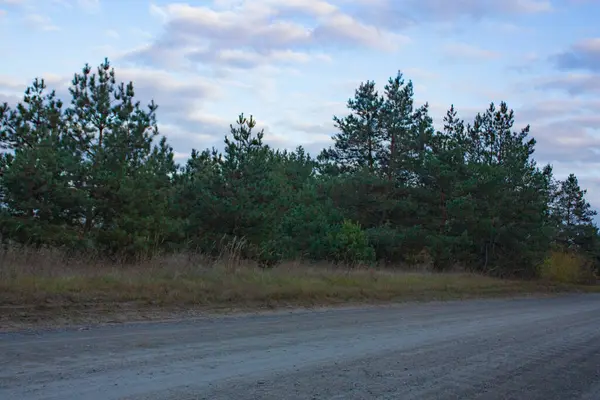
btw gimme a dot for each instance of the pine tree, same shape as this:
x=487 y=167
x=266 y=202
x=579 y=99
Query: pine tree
x=422 y=136
x=360 y=139
x=510 y=194
x=89 y=174
x=444 y=171
x=94 y=174
x=573 y=214
x=398 y=128
x=124 y=174
x=39 y=205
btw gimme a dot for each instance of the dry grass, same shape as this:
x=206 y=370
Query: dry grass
x=41 y=285
x=566 y=267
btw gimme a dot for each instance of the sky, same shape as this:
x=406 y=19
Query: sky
x=293 y=64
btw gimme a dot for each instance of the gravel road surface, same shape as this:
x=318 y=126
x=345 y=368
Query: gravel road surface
x=535 y=348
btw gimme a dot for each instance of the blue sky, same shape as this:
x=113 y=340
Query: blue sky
x=293 y=64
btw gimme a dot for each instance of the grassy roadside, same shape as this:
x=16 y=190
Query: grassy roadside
x=41 y=288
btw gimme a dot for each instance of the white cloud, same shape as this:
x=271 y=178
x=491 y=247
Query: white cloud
x=314 y=8
x=197 y=115
x=589 y=45
x=507 y=27
x=89 y=5
x=113 y=34
x=465 y=52
x=180 y=156
x=173 y=89
x=400 y=15
x=572 y=83
x=345 y=29
x=482 y=8
x=245 y=34
x=527 y=63
x=41 y=22
x=250 y=59
x=140 y=33
x=583 y=55
x=10 y=84
x=158 y=12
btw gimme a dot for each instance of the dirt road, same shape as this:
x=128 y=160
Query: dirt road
x=486 y=349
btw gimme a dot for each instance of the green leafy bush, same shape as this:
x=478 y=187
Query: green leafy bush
x=349 y=244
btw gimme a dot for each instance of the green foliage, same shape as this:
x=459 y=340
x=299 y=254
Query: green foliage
x=359 y=141
x=306 y=226
x=93 y=174
x=573 y=216
x=88 y=174
x=349 y=244
x=387 y=243
x=397 y=245
x=567 y=267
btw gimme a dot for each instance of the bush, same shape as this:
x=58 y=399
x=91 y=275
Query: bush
x=387 y=243
x=304 y=230
x=441 y=250
x=404 y=244
x=349 y=244
x=567 y=267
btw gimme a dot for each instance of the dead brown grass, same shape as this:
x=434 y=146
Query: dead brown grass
x=37 y=286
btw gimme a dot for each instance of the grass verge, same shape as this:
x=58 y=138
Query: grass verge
x=38 y=289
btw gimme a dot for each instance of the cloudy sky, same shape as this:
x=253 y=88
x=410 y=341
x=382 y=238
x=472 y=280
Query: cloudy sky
x=294 y=63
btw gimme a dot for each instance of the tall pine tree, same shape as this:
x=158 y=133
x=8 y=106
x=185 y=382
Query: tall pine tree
x=359 y=141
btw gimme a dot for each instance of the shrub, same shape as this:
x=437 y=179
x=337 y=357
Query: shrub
x=349 y=244
x=567 y=267
x=404 y=244
x=387 y=242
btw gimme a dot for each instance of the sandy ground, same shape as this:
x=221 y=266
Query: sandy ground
x=534 y=348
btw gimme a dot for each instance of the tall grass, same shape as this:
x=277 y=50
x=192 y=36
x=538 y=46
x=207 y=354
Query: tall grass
x=45 y=284
x=567 y=267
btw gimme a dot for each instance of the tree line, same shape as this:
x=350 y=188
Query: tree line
x=94 y=175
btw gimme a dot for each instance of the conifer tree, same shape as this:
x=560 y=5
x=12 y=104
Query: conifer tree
x=360 y=138
x=397 y=123
x=573 y=214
